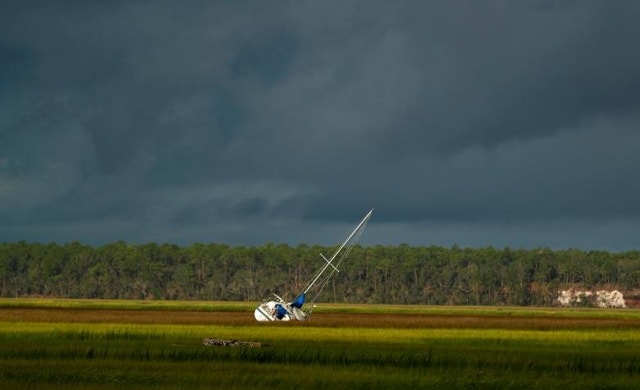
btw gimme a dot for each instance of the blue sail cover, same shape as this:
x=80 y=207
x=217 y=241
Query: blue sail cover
x=299 y=301
x=280 y=311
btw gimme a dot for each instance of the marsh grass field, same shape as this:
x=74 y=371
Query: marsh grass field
x=96 y=344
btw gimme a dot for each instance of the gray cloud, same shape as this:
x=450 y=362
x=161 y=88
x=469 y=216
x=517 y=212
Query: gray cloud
x=478 y=123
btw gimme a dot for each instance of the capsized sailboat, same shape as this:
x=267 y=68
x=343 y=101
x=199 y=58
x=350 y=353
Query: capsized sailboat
x=274 y=308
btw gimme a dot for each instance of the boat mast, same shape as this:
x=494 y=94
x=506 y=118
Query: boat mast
x=335 y=254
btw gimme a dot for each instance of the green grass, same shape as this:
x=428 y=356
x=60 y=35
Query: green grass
x=125 y=304
x=103 y=354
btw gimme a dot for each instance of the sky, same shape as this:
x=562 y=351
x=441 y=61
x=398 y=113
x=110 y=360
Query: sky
x=470 y=123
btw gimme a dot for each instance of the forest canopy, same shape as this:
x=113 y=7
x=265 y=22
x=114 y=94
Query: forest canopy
x=400 y=274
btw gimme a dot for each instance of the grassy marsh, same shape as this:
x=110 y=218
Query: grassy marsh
x=51 y=344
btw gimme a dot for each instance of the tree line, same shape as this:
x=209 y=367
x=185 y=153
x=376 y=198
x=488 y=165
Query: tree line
x=400 y=274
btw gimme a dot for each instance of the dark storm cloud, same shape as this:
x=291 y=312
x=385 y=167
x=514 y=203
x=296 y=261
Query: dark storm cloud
x=481 y=123
x=510 y=72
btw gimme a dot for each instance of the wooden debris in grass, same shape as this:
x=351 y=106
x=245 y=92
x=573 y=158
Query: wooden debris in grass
x=209 y=342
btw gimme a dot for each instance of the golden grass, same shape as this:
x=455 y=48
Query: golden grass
x=328 y=315
x=135 y=344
